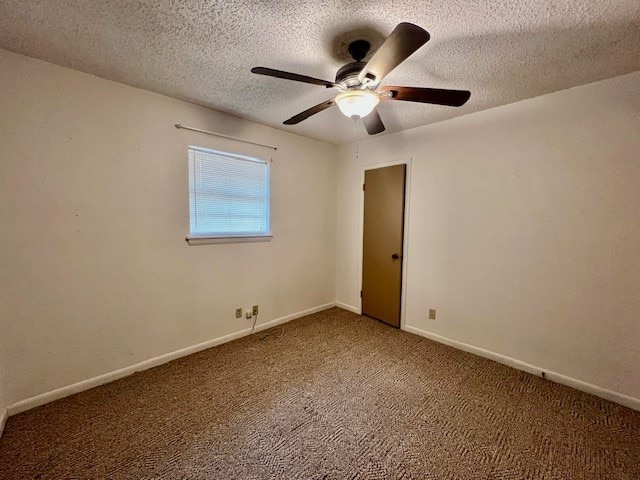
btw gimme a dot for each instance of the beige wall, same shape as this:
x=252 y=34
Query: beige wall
x=96 y=274
x=524 y=230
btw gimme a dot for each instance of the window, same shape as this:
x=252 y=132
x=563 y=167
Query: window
x=228 y=197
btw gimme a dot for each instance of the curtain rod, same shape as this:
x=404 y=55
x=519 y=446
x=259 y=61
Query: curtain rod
x=193 y=129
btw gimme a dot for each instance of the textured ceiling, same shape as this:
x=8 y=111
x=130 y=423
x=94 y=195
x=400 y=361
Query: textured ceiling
x=202 y=50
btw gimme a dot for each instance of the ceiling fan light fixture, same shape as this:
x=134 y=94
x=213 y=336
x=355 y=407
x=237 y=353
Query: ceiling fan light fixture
x=357 y=103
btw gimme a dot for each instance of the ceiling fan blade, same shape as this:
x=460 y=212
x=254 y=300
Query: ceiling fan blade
x=438 y=96
x=311 y=111
x=270 y=72
x=373 y=123
x=405 y=39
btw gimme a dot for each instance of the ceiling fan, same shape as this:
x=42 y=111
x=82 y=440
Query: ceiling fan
x=359 y=82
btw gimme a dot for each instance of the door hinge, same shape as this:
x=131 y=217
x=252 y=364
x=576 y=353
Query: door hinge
x=360 y=293
x=363 y=187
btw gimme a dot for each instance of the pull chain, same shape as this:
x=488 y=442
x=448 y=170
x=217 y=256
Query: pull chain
x=355 y=124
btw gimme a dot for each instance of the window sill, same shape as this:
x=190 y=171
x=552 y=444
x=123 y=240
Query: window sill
x=242 y=239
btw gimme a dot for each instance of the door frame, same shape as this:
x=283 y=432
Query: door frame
x=405 y=240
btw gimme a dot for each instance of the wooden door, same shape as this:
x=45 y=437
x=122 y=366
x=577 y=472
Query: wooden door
x=383 y=233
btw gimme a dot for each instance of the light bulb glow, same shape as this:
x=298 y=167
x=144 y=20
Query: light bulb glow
x=357 y=103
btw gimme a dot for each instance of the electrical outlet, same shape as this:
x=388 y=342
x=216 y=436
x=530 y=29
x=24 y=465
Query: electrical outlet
x=239 y=312
x=248 y=315
x=432 y=314
x=255 y=309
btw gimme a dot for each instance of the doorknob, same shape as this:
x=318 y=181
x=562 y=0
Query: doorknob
x=395 y=256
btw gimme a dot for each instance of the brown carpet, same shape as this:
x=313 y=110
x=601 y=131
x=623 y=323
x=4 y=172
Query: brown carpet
x=339 y=396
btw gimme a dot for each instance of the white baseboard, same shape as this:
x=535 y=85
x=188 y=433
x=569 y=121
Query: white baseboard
x=346 y=306
x=616 y=397
x=62 y=392
x=3 y=420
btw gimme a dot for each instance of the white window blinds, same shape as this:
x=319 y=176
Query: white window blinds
x=228 y=194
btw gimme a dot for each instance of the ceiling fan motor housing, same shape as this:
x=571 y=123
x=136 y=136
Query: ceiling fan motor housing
x=347 y=75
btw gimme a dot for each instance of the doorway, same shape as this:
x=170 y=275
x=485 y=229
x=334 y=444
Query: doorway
x=383 y=242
